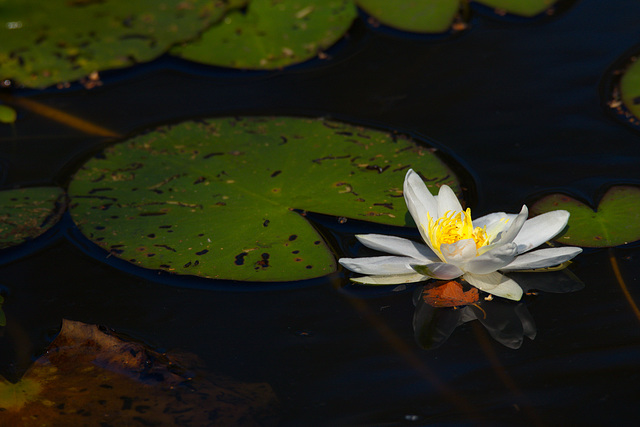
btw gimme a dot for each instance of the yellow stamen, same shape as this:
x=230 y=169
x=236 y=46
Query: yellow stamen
x=450 y=228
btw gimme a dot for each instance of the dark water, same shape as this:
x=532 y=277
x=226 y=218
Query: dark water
x=518 y=105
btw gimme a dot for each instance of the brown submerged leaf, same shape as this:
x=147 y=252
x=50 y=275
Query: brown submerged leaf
x=448 y=294
x=90 y=377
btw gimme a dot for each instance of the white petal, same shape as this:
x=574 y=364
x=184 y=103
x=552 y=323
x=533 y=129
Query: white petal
x=380 y=265
x=492 y=260
x=542 y=258
x=507 y=235
x=492 y=218
x=398 y=246
x=541 y=228
x=459 y=252
x=496 y=284
x=419 y=202
x=447 y=201
x=395 y=279
x=438 y=270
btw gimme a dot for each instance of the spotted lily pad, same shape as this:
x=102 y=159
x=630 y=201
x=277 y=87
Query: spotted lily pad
x=28 y=212
x=615 y=222
x=526 y=8
x=44 y=43
x=215 y=198
x=420 y=16
x=272 y=34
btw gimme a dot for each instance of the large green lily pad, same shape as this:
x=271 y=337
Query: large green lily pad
x=46 y=42
x=630 y=88
x=28 y=212
x=272 y=34
x=214 y=198
x=615 y=222
x=526 y=8
x=420 y=16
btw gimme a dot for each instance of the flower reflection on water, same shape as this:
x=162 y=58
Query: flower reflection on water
x=508 y=322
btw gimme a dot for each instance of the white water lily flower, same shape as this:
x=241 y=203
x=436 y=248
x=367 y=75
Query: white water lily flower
x=457 y=246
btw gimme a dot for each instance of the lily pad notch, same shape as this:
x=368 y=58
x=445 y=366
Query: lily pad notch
x=614 y=222
x=215 y=198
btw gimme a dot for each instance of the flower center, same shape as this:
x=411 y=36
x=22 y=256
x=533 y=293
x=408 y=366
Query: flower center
x=450 y=228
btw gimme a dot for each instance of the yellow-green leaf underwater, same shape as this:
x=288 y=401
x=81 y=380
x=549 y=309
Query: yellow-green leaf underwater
x=7 y=114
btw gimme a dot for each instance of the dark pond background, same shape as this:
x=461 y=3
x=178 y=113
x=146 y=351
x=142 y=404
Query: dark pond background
x=519 y=105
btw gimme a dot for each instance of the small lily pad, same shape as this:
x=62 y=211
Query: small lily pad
x=526 y=8
x=419 y=16
x=272 y=34
x=7 y=114
x=216 y=198
x=630 y=88
x=615 y=222
x=44 y=43
x=28 y=212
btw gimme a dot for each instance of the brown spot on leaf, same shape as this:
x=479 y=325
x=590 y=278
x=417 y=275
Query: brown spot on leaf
x=263 y=263
x=206 y=156
x=240 y=258
x=386 y=205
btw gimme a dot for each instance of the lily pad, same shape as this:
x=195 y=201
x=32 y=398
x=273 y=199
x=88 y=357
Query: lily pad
x=526 y=8
x=215 y=198
x=272 y=34
x=44 y=43
x=615 y=222
x=88 y=377
x=630 y=88
x=7 y=114
x=28 y=212
x=419 y=16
